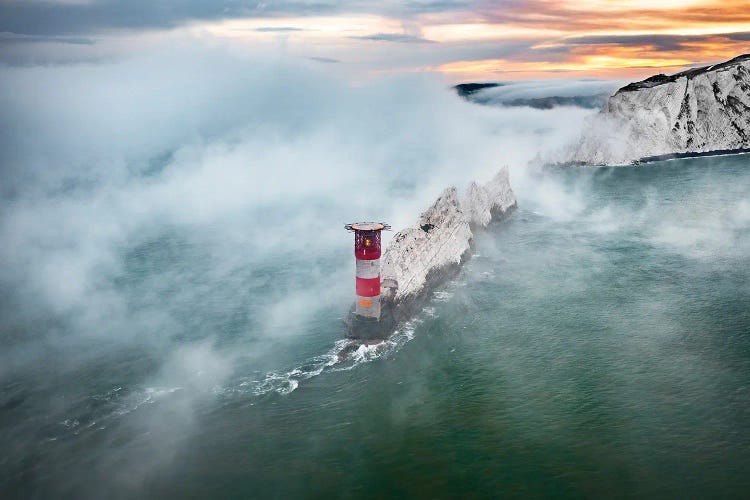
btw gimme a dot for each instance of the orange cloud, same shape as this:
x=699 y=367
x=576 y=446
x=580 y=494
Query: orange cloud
x=521 y=39
x=602 y=61
x=619 y=38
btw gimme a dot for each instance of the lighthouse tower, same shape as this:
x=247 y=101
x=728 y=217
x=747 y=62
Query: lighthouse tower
x=367 y=253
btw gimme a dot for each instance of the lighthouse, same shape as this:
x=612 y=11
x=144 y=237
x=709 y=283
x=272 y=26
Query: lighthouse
x=367 y=254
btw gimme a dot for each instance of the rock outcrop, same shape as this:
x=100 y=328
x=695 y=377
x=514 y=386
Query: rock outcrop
x=422 y=256
x=696 y=111
x=440 y=240
x=491 y=201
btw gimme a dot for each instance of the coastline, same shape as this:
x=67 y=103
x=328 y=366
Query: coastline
x=654 y=159
x=697 y=154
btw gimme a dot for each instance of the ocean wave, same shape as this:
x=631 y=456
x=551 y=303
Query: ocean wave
x=98 y=410
x=286 y=382
x=102 y=408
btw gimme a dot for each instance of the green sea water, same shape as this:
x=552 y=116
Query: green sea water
x=595 y=345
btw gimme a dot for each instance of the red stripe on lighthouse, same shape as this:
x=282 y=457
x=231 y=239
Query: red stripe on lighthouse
x=367 y=253
x=368 y=287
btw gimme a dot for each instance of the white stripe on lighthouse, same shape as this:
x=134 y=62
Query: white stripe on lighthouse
x=368 y=268
x=369 y=307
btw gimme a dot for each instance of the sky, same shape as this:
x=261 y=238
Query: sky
x=463 y=40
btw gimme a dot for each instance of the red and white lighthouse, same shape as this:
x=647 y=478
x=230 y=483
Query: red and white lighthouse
x=367 y=252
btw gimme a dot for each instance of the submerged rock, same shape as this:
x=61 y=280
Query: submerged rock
x=422 y=256
x=695 y=111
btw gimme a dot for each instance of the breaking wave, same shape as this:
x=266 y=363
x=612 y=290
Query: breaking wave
x=100 y=410
x=103 y=408
x=357 y=354
x=332 y=361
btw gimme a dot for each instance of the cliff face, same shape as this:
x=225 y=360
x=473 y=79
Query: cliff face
x=440 y=240
x=695 y=111
x=488 y=202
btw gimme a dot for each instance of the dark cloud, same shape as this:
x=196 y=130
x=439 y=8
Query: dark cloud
x=36 y=18
x=328 y=60
x=571 y=17
x=393 y=37
x=552 y=49
x=281 y=29
x=60 y=19
x=658 y=42
x=6 y=38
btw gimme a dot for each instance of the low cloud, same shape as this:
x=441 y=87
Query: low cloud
x=279 y=29
x=147 y=202
x=173 y=222
x=328 y=60
x=393 y=37
x=654 y=42
x=7 y=38
x=546 y=94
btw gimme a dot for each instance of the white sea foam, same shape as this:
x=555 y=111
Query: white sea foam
x=284 y=383
x=121 y=402
x=114 y=403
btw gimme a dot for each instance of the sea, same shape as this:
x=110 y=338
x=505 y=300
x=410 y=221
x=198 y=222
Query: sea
x=597 y=346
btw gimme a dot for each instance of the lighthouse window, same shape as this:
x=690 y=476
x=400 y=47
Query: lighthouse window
x=367 y=244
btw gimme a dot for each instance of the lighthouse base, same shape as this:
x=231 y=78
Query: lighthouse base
x=370 y=329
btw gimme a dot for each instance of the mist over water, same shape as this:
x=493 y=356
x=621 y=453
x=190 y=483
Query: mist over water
x=174 y=271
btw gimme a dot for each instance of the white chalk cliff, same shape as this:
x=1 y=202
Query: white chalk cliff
x=484 y=203
x=696 y=111
x=441 y=240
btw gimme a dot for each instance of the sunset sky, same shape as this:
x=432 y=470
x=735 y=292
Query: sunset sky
x=462 y=39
